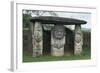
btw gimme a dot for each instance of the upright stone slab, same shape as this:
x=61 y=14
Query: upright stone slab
x=57 y=40
x=78 y=40
x=37 y=39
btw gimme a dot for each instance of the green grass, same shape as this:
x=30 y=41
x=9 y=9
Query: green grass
x=27 y=57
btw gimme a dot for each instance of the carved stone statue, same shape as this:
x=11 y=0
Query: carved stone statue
x=57 y=40
x=37 y=40
x=78 y=40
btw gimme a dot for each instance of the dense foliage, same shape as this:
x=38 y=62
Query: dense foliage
x=26 y=18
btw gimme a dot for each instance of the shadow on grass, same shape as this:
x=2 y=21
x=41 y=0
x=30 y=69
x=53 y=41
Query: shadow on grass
x=27 y=57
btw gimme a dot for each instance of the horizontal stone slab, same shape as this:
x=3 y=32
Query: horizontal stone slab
x=57 y=20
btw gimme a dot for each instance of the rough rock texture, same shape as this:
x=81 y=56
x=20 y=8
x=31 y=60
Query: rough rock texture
x=78 y=40
x=57 y=20
x=57 y=40
x=57 y=34
x=37 y=39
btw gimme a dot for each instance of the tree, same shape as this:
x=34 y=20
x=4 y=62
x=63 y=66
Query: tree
x=26 y=20
x=27 y=14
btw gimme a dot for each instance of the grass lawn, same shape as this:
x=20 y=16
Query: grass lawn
x=27 y=57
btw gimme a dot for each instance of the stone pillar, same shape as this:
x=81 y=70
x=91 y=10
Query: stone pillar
x=78 y=40
x=37 y=39
x=57 y=40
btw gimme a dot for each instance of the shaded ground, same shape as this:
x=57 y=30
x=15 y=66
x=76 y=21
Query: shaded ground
x=27 y=57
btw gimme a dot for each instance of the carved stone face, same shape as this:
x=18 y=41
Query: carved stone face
x=58 y=32
x=38 y=33
x=78 y=38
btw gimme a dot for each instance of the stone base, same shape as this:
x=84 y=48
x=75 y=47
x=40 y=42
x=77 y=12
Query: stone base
x=37 y=53
x=57 y=52
x=78 y=50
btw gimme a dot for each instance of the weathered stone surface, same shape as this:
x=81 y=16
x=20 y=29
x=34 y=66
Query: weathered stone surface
x=78 y=40
x=57 y=40
x=57 y=20
x=37 y=39
x=57 y=34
